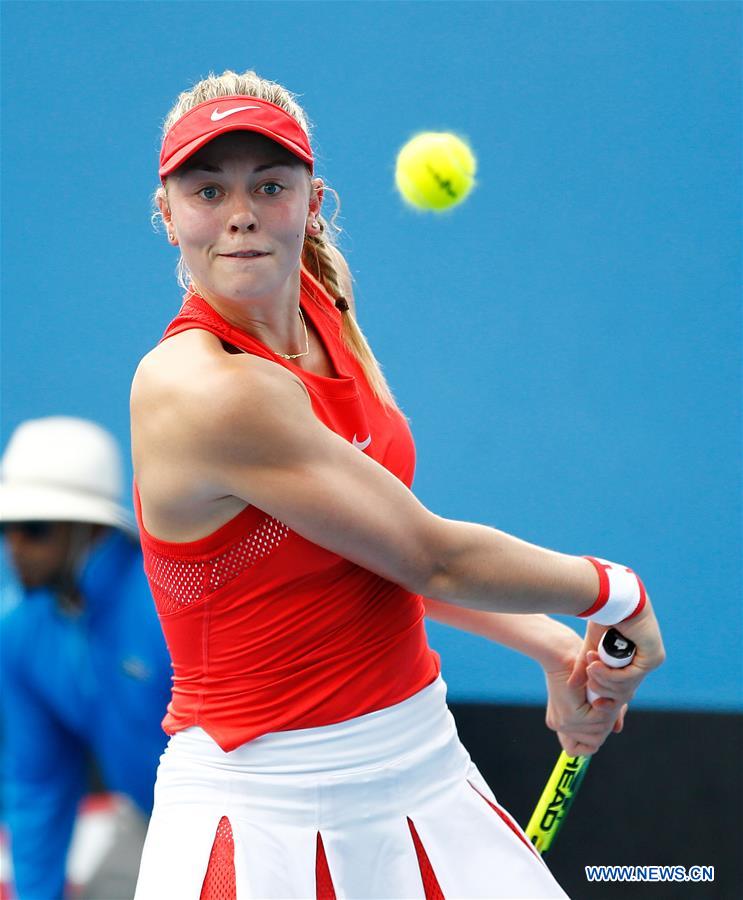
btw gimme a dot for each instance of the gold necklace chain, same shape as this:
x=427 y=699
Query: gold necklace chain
x=306 y=341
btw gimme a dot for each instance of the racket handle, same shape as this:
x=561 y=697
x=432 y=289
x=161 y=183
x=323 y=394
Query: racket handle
x=615 y=651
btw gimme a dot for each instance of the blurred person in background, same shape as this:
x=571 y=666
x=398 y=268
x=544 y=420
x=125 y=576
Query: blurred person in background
x=85 y=670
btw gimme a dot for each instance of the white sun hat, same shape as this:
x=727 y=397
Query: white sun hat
x=63 y=469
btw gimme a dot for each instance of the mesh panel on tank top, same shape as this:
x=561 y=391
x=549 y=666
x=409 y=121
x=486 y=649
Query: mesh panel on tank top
x=177 y=583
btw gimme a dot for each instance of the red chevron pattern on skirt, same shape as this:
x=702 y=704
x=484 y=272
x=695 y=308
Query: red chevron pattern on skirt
x=324 y=889
x=431 y=886
x=219 y=881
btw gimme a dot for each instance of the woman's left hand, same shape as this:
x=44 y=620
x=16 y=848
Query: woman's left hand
x=581 y=727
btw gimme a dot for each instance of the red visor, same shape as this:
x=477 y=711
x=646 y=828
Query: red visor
x=208 y=120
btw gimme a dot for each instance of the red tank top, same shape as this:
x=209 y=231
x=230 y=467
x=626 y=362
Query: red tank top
x=266 y=630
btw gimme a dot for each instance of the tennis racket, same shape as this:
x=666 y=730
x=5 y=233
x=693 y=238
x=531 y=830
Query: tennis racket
x=562 y=786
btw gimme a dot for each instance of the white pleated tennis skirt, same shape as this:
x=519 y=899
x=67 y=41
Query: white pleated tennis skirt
x=376 y=789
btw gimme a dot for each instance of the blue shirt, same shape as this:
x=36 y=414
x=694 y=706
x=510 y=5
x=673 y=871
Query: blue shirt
x=94 y=681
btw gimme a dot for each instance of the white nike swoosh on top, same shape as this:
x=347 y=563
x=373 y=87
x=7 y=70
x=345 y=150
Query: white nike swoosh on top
x=217 y=115
x=362 y=445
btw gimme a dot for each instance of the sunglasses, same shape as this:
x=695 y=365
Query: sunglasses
x=34 y=531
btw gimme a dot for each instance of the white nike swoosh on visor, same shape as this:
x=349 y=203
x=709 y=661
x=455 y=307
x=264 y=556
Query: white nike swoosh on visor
x=362 y=445
x=217 y=115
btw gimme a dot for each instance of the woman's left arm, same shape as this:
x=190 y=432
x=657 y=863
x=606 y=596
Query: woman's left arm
x=564 y=657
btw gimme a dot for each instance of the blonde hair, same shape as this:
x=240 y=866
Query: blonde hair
x=318 y=250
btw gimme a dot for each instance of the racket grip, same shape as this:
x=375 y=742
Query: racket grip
x=615 y=651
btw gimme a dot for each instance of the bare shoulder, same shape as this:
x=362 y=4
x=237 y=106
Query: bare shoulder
x=191 y=378
x=193 y=408
x=171 y=378
x=170 y=385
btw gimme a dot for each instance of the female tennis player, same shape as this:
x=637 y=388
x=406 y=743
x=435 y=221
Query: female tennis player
x=312 y=753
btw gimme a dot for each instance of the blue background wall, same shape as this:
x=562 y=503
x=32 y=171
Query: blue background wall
x=566 y=344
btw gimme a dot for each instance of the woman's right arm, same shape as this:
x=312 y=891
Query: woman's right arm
x=248 y=430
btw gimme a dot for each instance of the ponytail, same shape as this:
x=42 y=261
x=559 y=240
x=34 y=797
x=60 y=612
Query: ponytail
x=318 y=259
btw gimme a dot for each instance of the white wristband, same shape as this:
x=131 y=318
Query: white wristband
x=621 y=593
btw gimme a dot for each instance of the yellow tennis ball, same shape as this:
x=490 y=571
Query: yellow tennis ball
x=435 y=170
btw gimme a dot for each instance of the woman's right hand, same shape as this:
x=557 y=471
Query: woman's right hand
x=619 y=684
